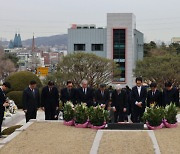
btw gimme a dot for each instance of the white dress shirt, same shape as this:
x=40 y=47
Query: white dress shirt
x=139 y=92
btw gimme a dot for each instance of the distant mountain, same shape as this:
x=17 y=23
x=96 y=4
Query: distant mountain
x=48 y=41
x=4 y=43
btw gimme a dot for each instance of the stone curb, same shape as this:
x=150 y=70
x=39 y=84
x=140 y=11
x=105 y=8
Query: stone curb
x=24 y=127
x=154 y=141
x=96 y=142
x=42 y=120
x=14 y=134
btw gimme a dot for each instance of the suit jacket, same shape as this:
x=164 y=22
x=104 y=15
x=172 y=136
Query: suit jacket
x=31 y=101
x=139 y=98
x=2 y=100
x=68 y=95
x=170 y=96
x=50 y=99
x=101 y=99
x=119 y=100
x=157 y=97
x=85 y=98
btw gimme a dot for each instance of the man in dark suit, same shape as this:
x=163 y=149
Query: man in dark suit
x=138 y=98
x=170 y=94
x=68 y=93
x=85 y=94
x=119 y=101
x=31 y=101
x=154 y=96
x=50 y=101
x=101 y=96
x=3 y=102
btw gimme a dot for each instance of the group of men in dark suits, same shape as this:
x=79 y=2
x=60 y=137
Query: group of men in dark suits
x=140 y=98
x=121 y=101
x=115 y=100
x=85 y=94
x=49 y=101
x=82 y=94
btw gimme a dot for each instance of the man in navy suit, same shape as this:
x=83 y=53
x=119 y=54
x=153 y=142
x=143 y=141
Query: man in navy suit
x=85 y=94
x=101 y=96
x=50 y=101
x=68 y=93
x=154 y=96
x=3 y=102
x=31 y=101
x=170 y=94
x=138 y=99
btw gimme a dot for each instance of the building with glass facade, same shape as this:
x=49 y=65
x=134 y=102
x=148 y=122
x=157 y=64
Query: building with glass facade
x=119 y=41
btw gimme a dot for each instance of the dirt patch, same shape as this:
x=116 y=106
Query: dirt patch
x=169 y=140
x=126 y=142
x=46 y=138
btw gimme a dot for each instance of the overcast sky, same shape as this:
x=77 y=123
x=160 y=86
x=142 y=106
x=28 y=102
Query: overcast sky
x=157 y=19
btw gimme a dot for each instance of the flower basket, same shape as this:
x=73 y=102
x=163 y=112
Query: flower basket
x=170 y=120
x=81 y=116
x=85 y=125
x=154 y=127
x=68 y=123
x=168 y=125
x=153 y=117
x=97 y=117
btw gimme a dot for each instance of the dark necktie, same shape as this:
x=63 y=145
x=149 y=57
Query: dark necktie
x=69 y=91
x=33 y=92
x=84 y=91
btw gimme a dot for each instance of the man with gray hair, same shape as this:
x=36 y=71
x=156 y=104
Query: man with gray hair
x=85 y=93
x=119 y=101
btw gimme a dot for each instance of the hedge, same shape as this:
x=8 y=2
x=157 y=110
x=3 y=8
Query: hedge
x=20 y=80
x=10 y=130
x=16 y=96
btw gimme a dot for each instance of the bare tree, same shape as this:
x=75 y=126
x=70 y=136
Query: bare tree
x=6 y=65
x=79 y=66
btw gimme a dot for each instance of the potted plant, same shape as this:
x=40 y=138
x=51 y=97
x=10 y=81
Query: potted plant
x=153 y=117
x=68 y=114
x=81 y=116
x=98 y=117
x=170 y=120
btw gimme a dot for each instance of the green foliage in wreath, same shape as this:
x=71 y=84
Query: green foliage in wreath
x=97 y=115
x=170 y=113
x=81 y=113
x=154 y=115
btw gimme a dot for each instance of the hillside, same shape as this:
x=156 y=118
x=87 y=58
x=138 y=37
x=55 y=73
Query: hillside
x=43 y=41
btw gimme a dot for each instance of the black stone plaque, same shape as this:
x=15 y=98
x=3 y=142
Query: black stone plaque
x=126 y=126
